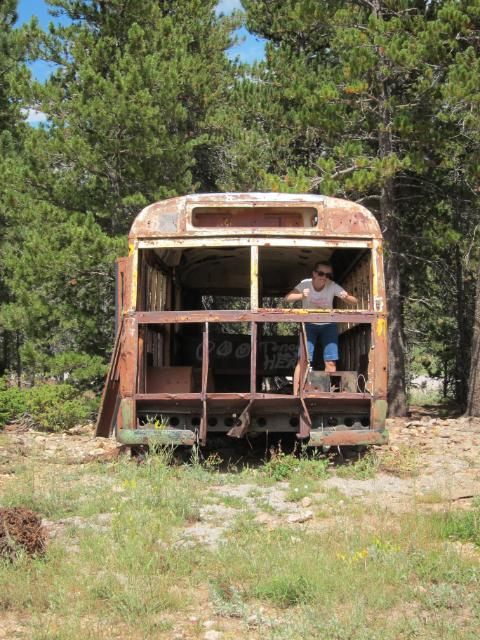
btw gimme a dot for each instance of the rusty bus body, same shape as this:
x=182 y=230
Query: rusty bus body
x=203 y=336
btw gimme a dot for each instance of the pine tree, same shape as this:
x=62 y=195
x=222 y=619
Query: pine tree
x=461 y=164
x=12 y=130
x=359 y=87
x=131 y=113
x=59 y=266
x=132 y=103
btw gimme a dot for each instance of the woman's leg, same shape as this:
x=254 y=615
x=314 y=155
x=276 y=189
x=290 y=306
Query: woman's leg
x=329 y=338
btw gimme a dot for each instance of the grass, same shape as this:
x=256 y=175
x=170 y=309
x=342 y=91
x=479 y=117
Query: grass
x=300 y=488
x=364 y=468
x=351 y=577
x=282 y=466
x=463 y=526
x=370 y=575
x=430 y=497
x=422 y=398
x=401 y=461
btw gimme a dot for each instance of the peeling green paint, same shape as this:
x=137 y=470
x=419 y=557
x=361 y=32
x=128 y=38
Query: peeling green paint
x=127 y=411
x=330 y=437
x=156 y=436
x=379 y=413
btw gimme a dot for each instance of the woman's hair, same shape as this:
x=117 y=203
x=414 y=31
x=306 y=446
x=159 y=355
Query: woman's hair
x=322 y=263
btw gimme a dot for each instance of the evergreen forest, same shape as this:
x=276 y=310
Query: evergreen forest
x=375 y=101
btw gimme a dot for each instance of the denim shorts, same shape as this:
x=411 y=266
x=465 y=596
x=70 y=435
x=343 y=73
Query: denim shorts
x=328 y=334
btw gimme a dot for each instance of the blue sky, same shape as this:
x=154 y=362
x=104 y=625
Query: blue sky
x=249 y=48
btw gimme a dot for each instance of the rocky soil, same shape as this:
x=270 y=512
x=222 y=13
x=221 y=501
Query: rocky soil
x=430 y=462
x=429 y=459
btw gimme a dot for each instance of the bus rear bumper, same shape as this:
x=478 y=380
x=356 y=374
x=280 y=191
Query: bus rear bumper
x=186 y=437
x=330 y=438
x=152 y=436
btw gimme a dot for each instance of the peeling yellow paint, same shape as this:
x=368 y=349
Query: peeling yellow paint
x=381 y=327
x=254 y=278
x=134 y=259
x=376 y=261
x=131 y=248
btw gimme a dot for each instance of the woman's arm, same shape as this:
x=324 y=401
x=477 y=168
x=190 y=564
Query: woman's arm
x=350 y=299
x=294 y=295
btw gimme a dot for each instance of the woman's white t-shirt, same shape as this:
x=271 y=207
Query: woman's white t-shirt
x=320 y=299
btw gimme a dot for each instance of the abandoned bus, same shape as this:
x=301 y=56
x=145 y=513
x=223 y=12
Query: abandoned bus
x=206 y=343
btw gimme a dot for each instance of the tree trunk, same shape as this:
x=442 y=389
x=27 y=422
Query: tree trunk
x=462 y=351
x=396 y=394
x=473 y=400
x=397 y=398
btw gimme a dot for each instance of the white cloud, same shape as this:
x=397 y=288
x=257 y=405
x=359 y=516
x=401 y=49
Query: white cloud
x=34 y=117
x=227 y=6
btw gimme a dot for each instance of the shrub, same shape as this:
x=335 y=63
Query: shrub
x=12 y=402
x=56 y=407
x=52 y=407
x=84 y=371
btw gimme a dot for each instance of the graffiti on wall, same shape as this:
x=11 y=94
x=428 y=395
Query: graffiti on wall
x=230 y=353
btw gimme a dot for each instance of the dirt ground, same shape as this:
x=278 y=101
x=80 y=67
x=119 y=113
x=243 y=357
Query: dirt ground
x=429 y=458
x=431 y=461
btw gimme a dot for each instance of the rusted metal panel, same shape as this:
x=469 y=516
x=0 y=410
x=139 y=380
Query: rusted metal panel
x=335 y=217
x=169 y=380
x=231 y=353
x=128 y=357
x=160 y=436
x=110 y=395
x=172 y=234
x=305 y=422
x=252 y=241
x=377 y=373
x=205 y=368
x=252 y=217
x=347 y=437
x=126 y=417
x=120 y=283
x=262 y=315
x=253 y=359
x=305 y=419
x=242 y=423
x=378 y=413
x=254 y=278
x=318 y=381
x=131 y=289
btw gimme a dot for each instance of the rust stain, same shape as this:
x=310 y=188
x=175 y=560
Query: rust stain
x=156 y=281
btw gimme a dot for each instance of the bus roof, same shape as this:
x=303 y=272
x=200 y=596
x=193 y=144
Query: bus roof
x=312 y=216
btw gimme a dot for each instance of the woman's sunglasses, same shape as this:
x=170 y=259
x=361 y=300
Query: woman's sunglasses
x=328 y=275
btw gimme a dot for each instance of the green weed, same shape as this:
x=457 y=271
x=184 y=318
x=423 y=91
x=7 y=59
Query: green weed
x=369 y=575
x=299 y=489
x=231 y=501
x=458 y=525
x=282 y=466
x=401 y=461
x=364 y=468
